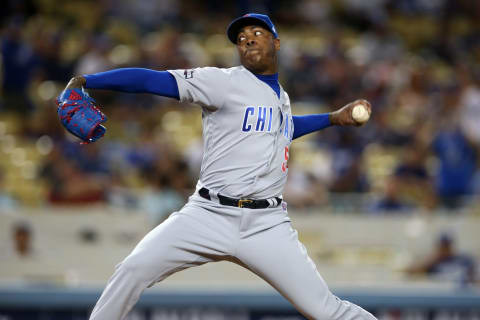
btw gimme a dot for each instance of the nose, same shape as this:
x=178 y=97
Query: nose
x=251 y=42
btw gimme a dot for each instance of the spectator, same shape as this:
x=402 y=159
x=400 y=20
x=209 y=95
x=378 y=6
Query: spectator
x=391 y=200
x=95 y=59
x=160 y=199
x=19 y=66
x=304 y=190
x=68 y=184
x=168 y=185
x=22 y=239
x=470 y=105
x=413 y=179
x=446 y=264
x=348 y=175
x=457 y=166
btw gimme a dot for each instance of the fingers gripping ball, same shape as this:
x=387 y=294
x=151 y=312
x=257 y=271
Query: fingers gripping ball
x=360 y=113
x=79 y=115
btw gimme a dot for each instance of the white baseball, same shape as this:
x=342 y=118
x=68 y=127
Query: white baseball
x=360 y=113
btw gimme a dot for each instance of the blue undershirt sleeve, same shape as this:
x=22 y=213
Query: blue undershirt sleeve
x=309 y=123
x=135 y=80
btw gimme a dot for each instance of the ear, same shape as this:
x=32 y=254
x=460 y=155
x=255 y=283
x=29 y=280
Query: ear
x=276 y=43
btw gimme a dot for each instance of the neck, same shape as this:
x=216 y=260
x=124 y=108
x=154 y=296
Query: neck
x=267 y=72
x=270 y=71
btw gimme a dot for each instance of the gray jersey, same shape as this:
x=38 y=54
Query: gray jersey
x=247 y=130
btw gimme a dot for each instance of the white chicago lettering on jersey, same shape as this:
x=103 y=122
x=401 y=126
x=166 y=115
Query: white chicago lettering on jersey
x=247 y=130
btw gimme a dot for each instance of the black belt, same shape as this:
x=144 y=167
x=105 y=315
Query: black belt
x=242 y=203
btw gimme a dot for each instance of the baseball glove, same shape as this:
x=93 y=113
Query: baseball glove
x=80 y=116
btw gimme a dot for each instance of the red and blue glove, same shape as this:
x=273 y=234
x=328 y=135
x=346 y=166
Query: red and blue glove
x=79 y=114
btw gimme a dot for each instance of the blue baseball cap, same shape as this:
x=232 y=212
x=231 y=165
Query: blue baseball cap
x=247 y=20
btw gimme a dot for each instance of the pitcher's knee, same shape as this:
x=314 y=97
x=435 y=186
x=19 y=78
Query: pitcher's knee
x=319 y=308
x=323 y=314
x=335 y=308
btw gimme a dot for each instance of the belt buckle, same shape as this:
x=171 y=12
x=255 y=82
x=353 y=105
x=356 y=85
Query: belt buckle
x=242 y=201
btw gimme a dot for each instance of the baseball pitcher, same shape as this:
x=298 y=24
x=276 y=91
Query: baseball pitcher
x=236 y=212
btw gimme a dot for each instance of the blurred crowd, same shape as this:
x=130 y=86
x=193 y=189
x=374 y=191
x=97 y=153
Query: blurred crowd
x=416 y=61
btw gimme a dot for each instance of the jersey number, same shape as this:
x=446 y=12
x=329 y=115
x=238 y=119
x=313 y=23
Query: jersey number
x=285 y=164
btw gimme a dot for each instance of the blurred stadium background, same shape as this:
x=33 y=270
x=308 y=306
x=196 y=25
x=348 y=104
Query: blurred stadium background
x=389 y=212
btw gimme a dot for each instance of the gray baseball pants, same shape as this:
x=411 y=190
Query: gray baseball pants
x=261 y=240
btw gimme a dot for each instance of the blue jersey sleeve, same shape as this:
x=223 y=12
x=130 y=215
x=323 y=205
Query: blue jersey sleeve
x=136 y=80
x=309 y=123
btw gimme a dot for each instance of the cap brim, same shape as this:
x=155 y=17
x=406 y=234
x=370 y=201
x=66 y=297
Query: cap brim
x=237 y=24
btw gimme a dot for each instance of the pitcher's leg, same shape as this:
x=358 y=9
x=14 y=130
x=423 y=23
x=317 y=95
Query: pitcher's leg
x=278 y=257
x=178 y=243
